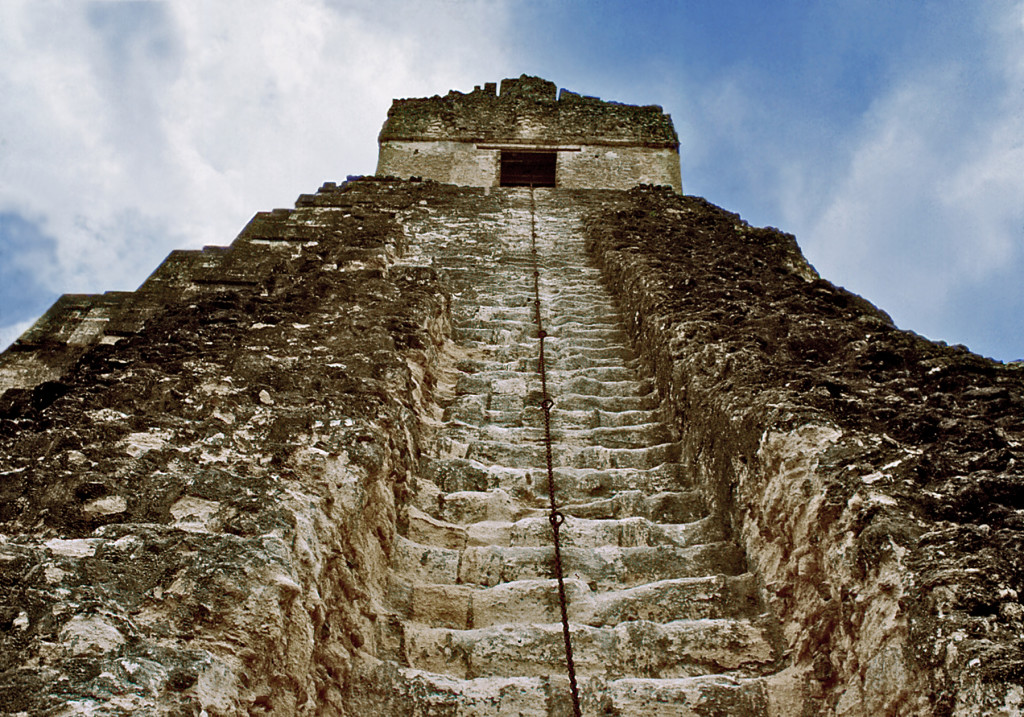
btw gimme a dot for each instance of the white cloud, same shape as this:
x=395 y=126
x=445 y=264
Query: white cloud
x=931 y=199
x=11 y=332
x=130 y=129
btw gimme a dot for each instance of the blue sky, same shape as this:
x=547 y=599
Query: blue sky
x=887 y=136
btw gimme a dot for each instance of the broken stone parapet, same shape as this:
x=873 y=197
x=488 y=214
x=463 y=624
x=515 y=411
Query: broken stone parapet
x=528 y=109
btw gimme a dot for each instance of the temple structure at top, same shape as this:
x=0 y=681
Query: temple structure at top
x=529 y=133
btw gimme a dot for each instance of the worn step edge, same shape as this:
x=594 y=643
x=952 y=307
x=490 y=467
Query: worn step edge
x=605 y=568
x=388 y=690
x=536 y=601
x=532 y=456
x=452 y=475
x=635 y=437
x=575 y=532
x=467 y=507
x=681 y=648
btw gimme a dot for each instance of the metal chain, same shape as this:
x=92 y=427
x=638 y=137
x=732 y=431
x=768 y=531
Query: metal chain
x=555 y=518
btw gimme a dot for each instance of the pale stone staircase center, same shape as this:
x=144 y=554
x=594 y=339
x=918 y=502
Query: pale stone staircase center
x=664 y=618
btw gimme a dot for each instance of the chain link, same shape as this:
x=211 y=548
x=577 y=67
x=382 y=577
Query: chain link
x=555 y=518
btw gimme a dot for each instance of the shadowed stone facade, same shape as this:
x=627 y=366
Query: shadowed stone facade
x=301 y=475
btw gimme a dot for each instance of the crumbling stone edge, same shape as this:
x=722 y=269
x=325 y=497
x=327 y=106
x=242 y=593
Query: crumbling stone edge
x=198 y=519
x=877 y=583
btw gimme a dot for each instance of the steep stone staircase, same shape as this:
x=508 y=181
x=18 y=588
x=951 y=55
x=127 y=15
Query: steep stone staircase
x=664 y=620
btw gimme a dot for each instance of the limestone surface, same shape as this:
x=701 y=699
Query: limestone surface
x=873 y=477
x=302 y=475
x=197 y=517
x=664 y=617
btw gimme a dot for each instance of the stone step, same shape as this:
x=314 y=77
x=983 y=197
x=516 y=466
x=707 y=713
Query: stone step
x=588 y=402
x=574 y=382
x=528 y=364
x=480 y=363
x=506 y=402
x=559 y=352
x=572 y=484
x=591 y=533
x=506 y=418
x=472 y=293
x=594 y=317
x=559 y=376
x=424 y=563
x=632 y=437
x=586 y=360
x=681 y=648
x=502 y=351
x=464 y=607
x=661 y=507
x=466 y=507
x=533 y=456
x=514 y=287
x=476 y=413
x=508 y=382
x=559 y=343
x=492 y=432
x=490 y=372
x=475 y=506
x=575 y=333
x=554 y=303
x=506 y=257
x=706 y=696
x=556 y=376
x=575 y=532
x=516 y=260
x=587 y=386
x=555 y=326
x=489 y=282
x=511 y=344
x=500 y=312
x=523 y=324
x=595 y=418
x=387 y=690
x=596 y=336
x=475 y=410
x=605 y=568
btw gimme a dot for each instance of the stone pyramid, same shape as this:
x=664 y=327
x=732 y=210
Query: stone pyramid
x=306 y=474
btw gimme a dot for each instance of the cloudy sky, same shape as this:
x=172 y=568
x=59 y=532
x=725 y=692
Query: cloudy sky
x=888 y=136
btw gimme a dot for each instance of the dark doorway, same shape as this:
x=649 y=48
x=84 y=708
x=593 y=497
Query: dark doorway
x=521 y=169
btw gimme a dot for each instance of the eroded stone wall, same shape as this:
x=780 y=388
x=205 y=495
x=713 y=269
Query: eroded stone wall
x=618 y=167
x=582 y=167
x=78 y=322
x=198 y=518
x=874 y=476
x=459 y=163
